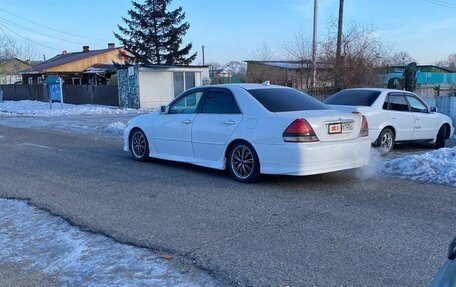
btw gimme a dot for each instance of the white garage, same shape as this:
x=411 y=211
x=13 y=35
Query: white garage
x=149 y=86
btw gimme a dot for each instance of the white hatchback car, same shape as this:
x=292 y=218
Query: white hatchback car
x=251 y=129
x=395 y=116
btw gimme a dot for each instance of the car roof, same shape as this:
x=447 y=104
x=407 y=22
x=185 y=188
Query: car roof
x=247 y=86
x=376 y=89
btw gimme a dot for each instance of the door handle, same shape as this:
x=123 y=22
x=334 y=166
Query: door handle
x=393 y=118
x=229 y=122
x=187 y=122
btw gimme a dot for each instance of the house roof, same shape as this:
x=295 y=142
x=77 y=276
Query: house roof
x=289 y=64
x=13 y=59
x=173 y=66
x=64 y=59
x=449 y=70
x=164 y=67
x=101 y=68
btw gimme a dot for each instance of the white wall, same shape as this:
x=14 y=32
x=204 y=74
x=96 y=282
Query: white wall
x=156 y=88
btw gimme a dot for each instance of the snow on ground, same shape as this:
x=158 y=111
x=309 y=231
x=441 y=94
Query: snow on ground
x=79 y=118
x=438 y=166
x=116 y=128
x=49 y=244
x=40 y=109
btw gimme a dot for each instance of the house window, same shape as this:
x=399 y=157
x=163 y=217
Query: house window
x=30 y=80
x=183 y=81
x=77 y=81
x=39 y=80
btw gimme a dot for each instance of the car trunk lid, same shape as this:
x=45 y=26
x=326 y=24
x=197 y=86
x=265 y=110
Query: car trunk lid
x=328 y=125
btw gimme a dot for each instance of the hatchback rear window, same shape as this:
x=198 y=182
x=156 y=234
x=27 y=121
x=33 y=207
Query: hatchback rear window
x=353 y=98
x=286 y=100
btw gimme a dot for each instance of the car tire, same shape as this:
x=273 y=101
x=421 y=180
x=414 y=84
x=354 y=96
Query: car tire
x=441 y=137
x=385 y=141
x=243 y=163
x=139 y=146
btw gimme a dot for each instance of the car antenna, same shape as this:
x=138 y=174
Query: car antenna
x=266 y=83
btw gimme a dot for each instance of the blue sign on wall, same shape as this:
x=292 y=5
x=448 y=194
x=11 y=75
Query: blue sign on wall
x=54 y=91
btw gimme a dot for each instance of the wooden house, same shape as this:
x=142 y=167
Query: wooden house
x=86 y=67
x=9 y=70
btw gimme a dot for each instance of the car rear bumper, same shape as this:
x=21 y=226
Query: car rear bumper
x=313 y=158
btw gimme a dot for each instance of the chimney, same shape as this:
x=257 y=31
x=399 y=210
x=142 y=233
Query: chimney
x=85 y=49
x=111 y=46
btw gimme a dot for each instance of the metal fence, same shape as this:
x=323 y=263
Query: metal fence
x=24 y=92
x=91 y=94
x=321 y=93
x=72 y=94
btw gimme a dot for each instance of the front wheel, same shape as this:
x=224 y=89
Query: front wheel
x=243 y=163
x=441 y=137
x=139 y=146
x=386 y=141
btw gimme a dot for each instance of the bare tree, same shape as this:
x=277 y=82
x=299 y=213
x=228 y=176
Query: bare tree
x=214 y=66
x=299 y=49
x=236 y=68
x=362 y=54
x=11 y=48
x=262 y=53
x=450 y=62
x=401 y=58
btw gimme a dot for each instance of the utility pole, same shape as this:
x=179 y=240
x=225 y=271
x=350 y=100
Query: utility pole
x=203 y=53
x=314 y=45
x=339 y=62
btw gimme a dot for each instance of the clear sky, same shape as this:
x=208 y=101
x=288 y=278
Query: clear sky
x=230 y=29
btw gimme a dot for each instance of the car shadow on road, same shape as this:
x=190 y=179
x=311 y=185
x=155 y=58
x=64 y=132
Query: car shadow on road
x=223 y=177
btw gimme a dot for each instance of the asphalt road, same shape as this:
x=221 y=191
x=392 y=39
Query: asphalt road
x=346 y=228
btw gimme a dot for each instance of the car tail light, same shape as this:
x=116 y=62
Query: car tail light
x=299 y=131
x=364 y=132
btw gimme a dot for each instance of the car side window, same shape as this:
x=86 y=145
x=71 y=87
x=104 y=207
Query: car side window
x=187 y=104
x=219 y=102
x=397 y=102
x=416 y=105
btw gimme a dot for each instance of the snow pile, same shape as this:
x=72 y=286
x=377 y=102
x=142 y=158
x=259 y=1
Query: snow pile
x=76 y=258
x=116 y=128
x=36 y=108
x=438 y=166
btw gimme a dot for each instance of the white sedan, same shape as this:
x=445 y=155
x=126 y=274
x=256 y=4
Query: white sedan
x=251 y=129
x=395 y=116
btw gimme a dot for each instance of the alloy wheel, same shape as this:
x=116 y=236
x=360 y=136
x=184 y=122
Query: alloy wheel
x=138 y=144
x=242 y=161
x=386 y=142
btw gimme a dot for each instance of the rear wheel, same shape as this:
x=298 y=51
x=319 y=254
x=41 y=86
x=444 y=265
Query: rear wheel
x=441 y=137
x=386 y=141
x=139 y=146
x=243 y=163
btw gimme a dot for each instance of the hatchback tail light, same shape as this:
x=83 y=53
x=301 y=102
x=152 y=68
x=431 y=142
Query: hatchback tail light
x=364 y=132
x=299 y=131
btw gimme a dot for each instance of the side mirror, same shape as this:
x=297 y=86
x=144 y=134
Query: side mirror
x=164 y=109
x=433 y=109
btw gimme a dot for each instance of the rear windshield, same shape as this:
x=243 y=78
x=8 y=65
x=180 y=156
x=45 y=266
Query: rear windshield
x=286 y=100
x=353 y=98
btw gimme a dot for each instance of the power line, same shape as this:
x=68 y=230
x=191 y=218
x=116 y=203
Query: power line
x=445 y=2
x=51 y=28
x=27 y=39
x=6 y=35
x=442 y=3
x=6 y=22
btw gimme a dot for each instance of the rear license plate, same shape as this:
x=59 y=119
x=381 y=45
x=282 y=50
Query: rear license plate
x=347 y=127
x=334 y=128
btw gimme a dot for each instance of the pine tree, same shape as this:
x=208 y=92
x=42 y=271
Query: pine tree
x=154 y=35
